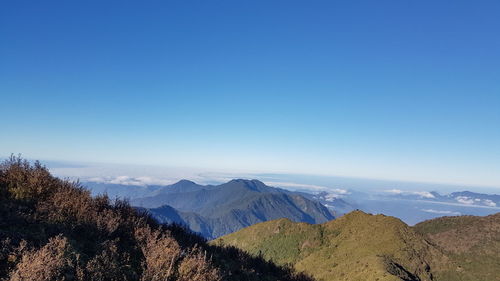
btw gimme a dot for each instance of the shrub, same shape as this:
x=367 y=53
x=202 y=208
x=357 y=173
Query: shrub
x=195 y=267
x=111 y=264
x=53 y=262
x=23 y=181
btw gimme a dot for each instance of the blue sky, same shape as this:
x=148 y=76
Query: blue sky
x=404 y=90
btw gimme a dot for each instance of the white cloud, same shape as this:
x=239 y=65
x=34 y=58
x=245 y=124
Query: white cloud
x=423 y=194
x=295 y=185
x=127 y=180
x=489 y=203
x=394 y=191
x=333 y=193
x=442 y=212
x=340 y=191
x=464 y=200
x=330 y=197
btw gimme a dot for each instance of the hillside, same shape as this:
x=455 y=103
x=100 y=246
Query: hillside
x=357 y=246
x=51 y=229
x=214 y=211
x=472 y=243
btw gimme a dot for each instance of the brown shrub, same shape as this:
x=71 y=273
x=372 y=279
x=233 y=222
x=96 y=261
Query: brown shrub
x=21 y=180
x=10 y=254
x=70 y=204
x=161 y=253
x=195 y=267
x=111 y=264
x=54 y=261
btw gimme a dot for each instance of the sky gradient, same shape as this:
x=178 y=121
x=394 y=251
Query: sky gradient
x=403 y=90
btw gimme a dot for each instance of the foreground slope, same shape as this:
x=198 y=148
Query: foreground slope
x=357 y=246
x=360 y=246
x=472 y=243
x=214 y=211
x=52 y=229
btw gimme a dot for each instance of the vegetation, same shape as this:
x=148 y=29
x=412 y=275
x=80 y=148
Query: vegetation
x=52 y=229
x=471 y=243
x=357 y=246
x=360 y=246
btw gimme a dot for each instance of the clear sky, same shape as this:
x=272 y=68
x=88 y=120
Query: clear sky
x=406 y=90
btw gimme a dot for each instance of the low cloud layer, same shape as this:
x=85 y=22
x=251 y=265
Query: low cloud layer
x=422 y=194
x=442 y=212
x=127 y=180
x=301 y=186
x=475 y=201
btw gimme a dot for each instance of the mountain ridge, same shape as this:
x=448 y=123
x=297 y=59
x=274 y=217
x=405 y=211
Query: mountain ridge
x=472 y=243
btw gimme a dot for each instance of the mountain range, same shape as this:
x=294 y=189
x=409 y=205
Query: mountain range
x=216 y=210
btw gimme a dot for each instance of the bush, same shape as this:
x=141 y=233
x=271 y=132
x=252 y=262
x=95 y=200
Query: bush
x=53 y=262
x=23 y=181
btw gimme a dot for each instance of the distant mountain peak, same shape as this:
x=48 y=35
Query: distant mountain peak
x=185 y=182
x=251 y=184
x=248 y=181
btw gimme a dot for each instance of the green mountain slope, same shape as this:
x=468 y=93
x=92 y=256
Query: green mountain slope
x=471 y=243
x=357 y=246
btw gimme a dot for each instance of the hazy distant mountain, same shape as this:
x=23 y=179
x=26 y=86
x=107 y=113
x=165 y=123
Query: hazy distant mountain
x=114 y=190
x=416 y=206
x=473 y=198
x=218 y=210
x=132 y=191
x=462 y=197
